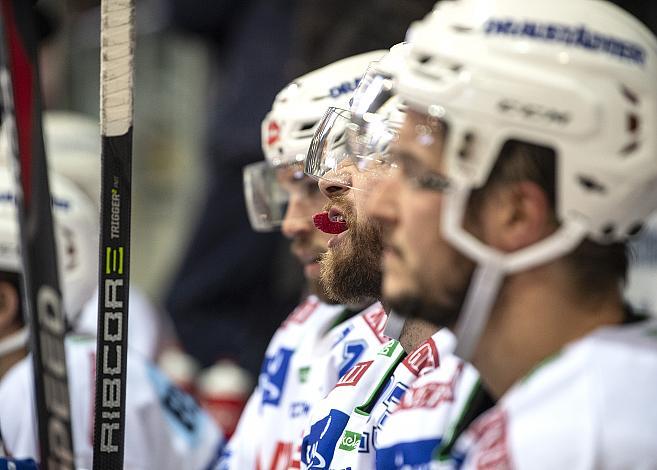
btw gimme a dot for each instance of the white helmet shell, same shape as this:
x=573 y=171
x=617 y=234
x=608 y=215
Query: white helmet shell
x=76 y=237
x=288 y=128
x=577 y=76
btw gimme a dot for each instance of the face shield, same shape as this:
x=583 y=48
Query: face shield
x=346 y=153
x=266 y=200
x=278 y=195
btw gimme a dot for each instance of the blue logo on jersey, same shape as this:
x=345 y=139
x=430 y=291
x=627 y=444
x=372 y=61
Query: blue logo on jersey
x=344 y=88
x=351 y=353
x=393 y=398
x=410 y=455
x=343 y=335
x=318 y=447
x=575 y=36
x=273 y=376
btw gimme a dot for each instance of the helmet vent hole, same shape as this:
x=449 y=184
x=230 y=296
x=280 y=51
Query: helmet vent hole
x=307 y=126
x=423 y=59
x=466 y=148
x=632 y=123
x=630 y=95
x=608 y=230
x=590 y=184
x=630 y=148
x=635 y=229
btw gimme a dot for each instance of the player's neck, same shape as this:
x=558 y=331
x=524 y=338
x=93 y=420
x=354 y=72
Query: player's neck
x=414 y=332
x=536 y=315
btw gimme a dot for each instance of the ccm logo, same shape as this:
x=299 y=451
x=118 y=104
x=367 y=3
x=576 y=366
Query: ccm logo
x=533 y=112
x=353 y=375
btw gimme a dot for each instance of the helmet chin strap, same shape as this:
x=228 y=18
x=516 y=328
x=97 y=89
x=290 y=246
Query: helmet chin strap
x=493 y=266
x=14 y=341
x=482 y=293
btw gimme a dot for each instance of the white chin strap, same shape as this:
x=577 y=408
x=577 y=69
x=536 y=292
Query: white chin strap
x=493 y=266
x=14 y=341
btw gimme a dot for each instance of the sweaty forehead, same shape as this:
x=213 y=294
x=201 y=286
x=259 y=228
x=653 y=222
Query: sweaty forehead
x=422 y=137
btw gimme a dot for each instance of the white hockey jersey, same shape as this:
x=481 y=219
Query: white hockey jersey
x=590 y=406
x=165 y=429
x=429 y=414
x=307 y=355
x=347 y=424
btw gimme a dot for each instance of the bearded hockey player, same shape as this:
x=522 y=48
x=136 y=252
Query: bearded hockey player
x=165 y=427
x=320 y=340
x=526 y=162
x=348 y=424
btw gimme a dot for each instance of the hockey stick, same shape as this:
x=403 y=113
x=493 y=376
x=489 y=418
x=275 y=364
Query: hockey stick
x=22 y=102
x=116 y=72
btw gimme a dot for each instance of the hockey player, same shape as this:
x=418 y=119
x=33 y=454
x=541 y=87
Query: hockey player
x=526 y=162
x=165 y=427
x=348 y=423
x=320 y=340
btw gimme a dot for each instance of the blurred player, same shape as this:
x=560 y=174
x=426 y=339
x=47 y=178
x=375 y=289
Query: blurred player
x=320 y=341
x=526 y=162
x=164 y=426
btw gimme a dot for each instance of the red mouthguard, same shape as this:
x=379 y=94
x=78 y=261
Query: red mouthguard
x=326 y=225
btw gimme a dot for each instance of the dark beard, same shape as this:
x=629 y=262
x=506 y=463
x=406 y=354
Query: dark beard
x=352 y=273
x=441 y=314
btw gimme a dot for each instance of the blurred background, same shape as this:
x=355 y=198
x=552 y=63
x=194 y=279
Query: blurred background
x=206 y=74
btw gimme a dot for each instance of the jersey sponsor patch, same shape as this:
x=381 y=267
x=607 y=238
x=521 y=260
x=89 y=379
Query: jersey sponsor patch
x=300 y=314
x=489 y=434
x=350 y=440
x=376 y=320
x=352 y=351
x=423 y=359
x=407 y=455
x=353 y=375
x=428 y=396
x=181 y=411
x=273 y=376
x=318 y=446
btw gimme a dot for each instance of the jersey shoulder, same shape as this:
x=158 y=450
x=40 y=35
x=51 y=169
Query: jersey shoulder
x=589 y=406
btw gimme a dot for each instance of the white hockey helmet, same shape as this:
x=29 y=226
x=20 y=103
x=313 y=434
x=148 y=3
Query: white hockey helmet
x=72 y=143
x=288 y=129
x=576 y=76
x=73 y=149
x=76 y=237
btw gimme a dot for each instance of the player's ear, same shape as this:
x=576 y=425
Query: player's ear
x=9 y=302
x=517 y=215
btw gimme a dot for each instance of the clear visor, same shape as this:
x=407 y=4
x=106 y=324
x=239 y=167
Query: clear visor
x=342 y=149
x=266 y=200
x=374 y=92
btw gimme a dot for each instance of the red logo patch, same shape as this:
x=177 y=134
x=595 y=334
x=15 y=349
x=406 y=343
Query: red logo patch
x=423 y=359
x=431 y=394
x=353 y=375
x=273 y=133
x=489 y=432
x=376 y=319
x=302 y=312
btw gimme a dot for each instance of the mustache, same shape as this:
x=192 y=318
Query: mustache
x=344 y=205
